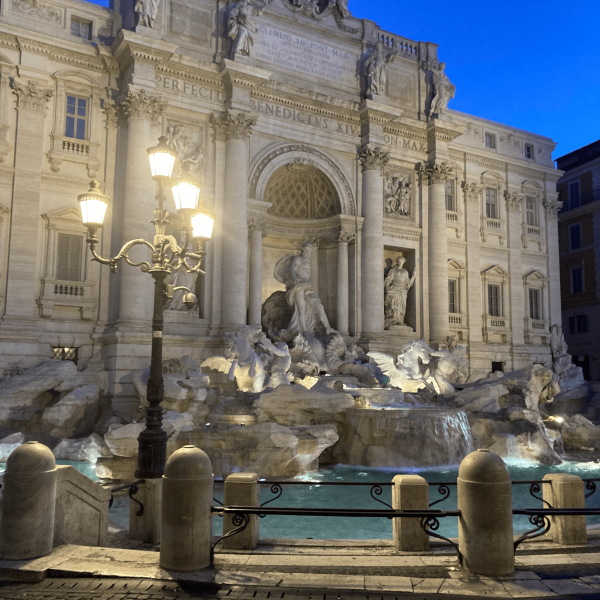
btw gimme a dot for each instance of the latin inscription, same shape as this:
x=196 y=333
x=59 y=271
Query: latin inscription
x=296 y=53
x=290 y=114
x=404 y=143
x=190 y=89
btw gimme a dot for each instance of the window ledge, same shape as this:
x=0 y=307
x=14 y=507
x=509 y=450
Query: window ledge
x=74 y=150
x=78 y=294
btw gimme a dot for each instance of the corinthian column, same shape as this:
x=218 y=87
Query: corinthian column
x=136 y=290
x=373 y=160
x=235 y=128
x=435 y=174
x=343 y=298
x=256 y=227
x=23 y=247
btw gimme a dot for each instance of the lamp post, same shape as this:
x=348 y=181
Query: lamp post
x=166 y=257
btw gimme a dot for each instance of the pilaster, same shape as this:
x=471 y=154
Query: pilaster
x=551 y=207
x=32 y=101
x=518 y=303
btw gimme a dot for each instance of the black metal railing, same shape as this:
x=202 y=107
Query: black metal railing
x=133 y=490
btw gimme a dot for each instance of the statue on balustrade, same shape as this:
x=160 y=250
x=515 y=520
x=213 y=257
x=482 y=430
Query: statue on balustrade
x=397 y=283
x=444 y=90
x=146 y=11
x=242 y=25
x=376 y=67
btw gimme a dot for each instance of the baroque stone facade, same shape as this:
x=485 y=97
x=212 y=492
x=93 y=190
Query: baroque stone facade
x=304 y=124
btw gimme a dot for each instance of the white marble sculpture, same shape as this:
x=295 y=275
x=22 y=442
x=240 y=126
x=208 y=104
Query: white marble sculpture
x=397 y=283
x=294 y=271
x=242 y=26
x=405 y=372
x=277 y=359
x=376 y=67
x=396 y=196
x=342 y=6
x=146 y=11
x=241 y=362
x=444 y=90
x=448 y=367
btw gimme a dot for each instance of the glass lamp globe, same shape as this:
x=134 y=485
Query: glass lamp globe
x=93 y=206
x=202 y=225
x=162 y=159
x=186 y=193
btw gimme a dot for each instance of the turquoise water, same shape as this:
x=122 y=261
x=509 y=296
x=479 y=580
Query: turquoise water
x=322 y=496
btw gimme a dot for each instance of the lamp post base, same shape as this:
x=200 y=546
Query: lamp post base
x=152 y=454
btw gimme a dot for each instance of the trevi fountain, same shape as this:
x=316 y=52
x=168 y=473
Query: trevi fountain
x=291 y=396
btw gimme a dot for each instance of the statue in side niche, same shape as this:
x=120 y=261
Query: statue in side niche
x=397 y=283
x=444 y=90
x=294 y=272
x=376 y=67
x=146 y=11
x=242 y=26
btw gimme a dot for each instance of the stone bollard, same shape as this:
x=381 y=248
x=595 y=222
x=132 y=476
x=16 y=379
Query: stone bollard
x=410 y=492
x=146 y=528
x=566 y=491
x=485 y=527
x=241 y=489
x=186 y=524
x=28 y=503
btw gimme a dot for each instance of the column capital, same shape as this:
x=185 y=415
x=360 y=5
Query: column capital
x=513 y=201
x=552 y=206
x=233 y=126
x=257 y=224
x=373 y=158
x=138 y=103
x=31 y=96
x=472 y=191
x=434 y=172
x=109 y=108
x=344 y=237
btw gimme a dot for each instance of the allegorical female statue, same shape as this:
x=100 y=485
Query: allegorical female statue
x=397 y=283
x=242 y=25
x=376 y=69
x=444 y=90
x=146 y=11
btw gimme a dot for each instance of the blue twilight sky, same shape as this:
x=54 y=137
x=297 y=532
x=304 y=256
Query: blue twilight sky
x=527 y=63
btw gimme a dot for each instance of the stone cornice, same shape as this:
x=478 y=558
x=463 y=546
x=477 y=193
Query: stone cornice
x=443 y=131
x=196 y=74
x=130 y=47
x=72 y=183
x=405 y=130
x=400 y=230
x=238 y=74
x=375 y=112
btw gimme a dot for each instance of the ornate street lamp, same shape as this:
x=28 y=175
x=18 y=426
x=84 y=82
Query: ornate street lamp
x=167 y=256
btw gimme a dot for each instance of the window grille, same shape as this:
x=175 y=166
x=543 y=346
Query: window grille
x=62 y=353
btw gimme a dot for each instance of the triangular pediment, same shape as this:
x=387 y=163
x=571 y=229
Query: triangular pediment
x=455 y=264
x=495 y=270
x=67 y=213
x=535 y=275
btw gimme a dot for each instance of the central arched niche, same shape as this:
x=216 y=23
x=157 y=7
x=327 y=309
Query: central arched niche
x=299 y=190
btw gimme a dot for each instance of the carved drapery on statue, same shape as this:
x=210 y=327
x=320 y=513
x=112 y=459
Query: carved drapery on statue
x=397 y=195
x=376 y=69
x=191 y=155
x=397 y=284
x=442 y=88
x=242 y=25
x=146 y=11
x=320 y=9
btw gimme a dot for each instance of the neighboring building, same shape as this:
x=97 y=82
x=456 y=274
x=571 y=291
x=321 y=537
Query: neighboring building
x=338 y=132
x=579 y=241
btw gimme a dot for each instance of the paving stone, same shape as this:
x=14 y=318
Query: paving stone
x=480 y=588
x=394 y=584
x=426 y=586
x=568 y=587
x=592 y=579
x=527 y=588
x=353 y=582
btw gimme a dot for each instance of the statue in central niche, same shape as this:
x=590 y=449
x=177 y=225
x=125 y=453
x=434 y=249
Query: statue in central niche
x=294 y=272
x=397 y=283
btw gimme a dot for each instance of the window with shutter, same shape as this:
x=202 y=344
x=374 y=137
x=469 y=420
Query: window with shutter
x=69 y=257
x=494 y=300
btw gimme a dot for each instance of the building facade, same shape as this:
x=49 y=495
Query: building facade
x=305 y=124
x=579 y=242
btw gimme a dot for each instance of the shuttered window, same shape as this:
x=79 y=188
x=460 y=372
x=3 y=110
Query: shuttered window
x=534 y=305
x=494 y=300
x=69 y=257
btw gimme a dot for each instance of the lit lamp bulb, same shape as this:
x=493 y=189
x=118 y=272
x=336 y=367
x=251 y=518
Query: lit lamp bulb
x=202 y=225
x=93 y=207
x=186 y=191
x=162 y=159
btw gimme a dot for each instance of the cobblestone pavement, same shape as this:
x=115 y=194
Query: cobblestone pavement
x=143 y=589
